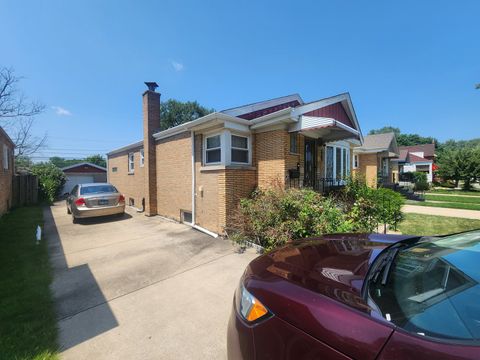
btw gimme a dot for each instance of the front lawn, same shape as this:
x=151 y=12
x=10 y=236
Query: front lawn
x=27 y=319
x=417 y=224
x=451 y=205
x=455 y=192
x=456 y=199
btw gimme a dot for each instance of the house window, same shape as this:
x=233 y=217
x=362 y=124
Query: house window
x=114 y=169
x=131 y=162
x=294 y=143
x=337 y=162
x=355 y=161
x=5 y=157
x=142 y=158
x=213 y=149
x=240 y=149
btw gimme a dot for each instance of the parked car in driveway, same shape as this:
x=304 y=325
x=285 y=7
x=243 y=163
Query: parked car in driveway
x=352 y=296
x=95 y=199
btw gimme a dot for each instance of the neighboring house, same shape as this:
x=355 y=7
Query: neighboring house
x=375 y=159
x=83 y=173
x=417 y=158
x=6 y=171
x=198 y=171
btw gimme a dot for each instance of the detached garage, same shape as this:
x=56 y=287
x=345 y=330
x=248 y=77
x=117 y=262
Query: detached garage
x=83 y=173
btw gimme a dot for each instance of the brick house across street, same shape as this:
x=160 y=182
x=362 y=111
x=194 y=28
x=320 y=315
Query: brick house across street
x=197 y=172
x=375 y=159
x=6 y=171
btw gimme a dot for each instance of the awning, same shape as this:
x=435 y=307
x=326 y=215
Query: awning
x=327 y=129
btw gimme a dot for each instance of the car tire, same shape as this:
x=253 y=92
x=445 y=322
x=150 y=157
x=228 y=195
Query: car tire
x=68 y=210
x=74 y=220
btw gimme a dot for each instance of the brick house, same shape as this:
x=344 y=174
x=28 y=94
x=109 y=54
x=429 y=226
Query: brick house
x=6 y=171
x=376 y=159
x=197 y=172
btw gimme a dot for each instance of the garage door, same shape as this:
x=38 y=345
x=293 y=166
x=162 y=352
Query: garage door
x=73 y=180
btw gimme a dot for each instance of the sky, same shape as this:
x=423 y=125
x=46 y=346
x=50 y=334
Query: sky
x=409 y=64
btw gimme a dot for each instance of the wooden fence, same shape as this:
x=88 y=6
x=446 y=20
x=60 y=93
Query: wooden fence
x=24 y=190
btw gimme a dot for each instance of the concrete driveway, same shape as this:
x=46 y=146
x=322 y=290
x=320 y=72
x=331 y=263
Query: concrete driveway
x=140 y=288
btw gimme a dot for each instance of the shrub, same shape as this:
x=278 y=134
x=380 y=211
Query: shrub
x=367 y=207
x=51 y=180
x=420 y=180
x=271 y=218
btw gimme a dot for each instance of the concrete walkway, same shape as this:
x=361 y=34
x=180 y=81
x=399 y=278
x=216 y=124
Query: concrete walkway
x=437 y=211
x=461 y=195
x=140 y=288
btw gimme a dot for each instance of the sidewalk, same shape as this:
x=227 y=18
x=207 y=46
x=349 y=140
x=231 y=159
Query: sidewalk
x=429 y=210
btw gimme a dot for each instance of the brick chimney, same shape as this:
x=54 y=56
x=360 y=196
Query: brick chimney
x=151 y=124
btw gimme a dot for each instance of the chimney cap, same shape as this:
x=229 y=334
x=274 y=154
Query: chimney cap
x=151 y=85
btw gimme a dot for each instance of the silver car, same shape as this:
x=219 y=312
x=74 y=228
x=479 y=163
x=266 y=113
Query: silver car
x=95 y=199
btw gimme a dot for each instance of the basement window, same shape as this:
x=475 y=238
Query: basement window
x=114 y=169
x=186 y=216
x=131 y=202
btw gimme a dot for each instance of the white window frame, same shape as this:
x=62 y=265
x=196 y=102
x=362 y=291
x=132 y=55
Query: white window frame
x=248 y=149
x=348 y=167
x=356 y=161
x=131 y=163
x=5 y=157
x=226 y=148
x=221 y=147
x=142 y=158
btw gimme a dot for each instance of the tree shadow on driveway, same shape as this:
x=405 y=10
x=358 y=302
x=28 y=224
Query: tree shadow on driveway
x=74 y=291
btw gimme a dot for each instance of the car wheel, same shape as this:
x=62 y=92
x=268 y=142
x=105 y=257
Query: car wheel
x=74 y=220
x=68 y=210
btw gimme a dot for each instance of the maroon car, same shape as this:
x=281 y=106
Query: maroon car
x=361 y=297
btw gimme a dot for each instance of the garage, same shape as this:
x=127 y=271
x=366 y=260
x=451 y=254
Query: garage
x=83 y=173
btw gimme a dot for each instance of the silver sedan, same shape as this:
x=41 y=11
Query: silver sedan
x=95 y=199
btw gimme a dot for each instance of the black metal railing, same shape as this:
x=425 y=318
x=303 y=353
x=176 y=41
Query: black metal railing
x=320 y=184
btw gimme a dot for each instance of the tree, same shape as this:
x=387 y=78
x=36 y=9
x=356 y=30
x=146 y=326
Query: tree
x=17 y=114
x=174 y=112
x=460 y=164
x=405 y=139
x=384 y=130
x=51 y=180
x=97 y=160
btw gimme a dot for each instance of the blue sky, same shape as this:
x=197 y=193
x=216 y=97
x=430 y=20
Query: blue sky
x=410 y=64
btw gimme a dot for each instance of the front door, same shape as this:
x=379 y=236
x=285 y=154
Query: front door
x=310 y=162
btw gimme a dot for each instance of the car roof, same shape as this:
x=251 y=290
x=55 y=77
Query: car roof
x=94 y=184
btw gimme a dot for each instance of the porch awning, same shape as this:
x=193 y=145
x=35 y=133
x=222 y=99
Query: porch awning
x=327 y=129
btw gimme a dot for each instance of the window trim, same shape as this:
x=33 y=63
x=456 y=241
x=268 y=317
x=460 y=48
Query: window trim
x=248 y=149
x=131 y=163
x=221 y=148
x=348 y=169
x=142 y=158
x=356 y=161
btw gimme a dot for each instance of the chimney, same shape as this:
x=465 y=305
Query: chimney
x=151 y=124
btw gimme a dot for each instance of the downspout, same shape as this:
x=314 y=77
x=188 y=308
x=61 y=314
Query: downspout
x=199 y=228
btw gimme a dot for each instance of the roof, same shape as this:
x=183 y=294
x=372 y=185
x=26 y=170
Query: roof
x=241 y=111
x=125 y=148
x=378 y=143
x=83 y=164
x=427 y=149
x=4 y=133
x=412 y=158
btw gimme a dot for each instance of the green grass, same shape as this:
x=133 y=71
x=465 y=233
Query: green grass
x=450 y=205
x=27 y=319
x=459 y=199
x=417 y=224
x=454 y=192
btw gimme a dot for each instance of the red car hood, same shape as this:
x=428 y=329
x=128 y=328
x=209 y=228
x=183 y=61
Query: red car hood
x=332 y=265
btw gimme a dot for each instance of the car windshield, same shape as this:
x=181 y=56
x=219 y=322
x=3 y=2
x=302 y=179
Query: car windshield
x=97 y=189
x=433 y=288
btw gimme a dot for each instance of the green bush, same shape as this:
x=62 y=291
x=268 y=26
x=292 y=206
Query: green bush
x=273 y=217
x=366 y=207
x=51 y=180
x=420 y=180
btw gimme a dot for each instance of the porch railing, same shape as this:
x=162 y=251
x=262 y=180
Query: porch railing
x=320 y=184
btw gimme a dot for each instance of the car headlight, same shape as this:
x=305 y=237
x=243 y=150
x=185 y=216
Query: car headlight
x=249 y=307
